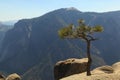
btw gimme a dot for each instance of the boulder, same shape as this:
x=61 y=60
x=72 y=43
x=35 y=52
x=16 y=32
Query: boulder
x=13 y=76
x=116 y=67
x=69 y=67
x=103 y=69
x=2 y=77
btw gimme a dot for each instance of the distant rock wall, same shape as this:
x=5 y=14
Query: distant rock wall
x=69 y=67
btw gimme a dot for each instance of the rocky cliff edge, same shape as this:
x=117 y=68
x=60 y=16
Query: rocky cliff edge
x=100 y=73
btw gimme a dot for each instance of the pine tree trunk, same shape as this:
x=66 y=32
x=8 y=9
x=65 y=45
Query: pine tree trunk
x=89 y=58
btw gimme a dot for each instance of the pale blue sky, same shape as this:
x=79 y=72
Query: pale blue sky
x=18 y=9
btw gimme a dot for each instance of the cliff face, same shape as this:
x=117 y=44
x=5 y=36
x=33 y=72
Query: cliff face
x=3 y=29
x=69 y=67
x=32 y=47
x=15 y=44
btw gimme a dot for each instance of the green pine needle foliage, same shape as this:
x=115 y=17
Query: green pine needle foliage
x=81 y=31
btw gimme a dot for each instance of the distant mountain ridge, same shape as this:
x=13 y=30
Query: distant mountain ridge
x=32 y=47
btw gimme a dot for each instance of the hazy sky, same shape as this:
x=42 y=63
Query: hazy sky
x=18 y=9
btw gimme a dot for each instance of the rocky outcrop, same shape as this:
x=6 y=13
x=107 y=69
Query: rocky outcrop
x=13 y=76
x=116 y=67
x=69 y=67
x=2 y=77
x=100 y=73
x=103 y=69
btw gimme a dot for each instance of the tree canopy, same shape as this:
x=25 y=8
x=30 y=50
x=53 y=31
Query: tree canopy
x=81 y=31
